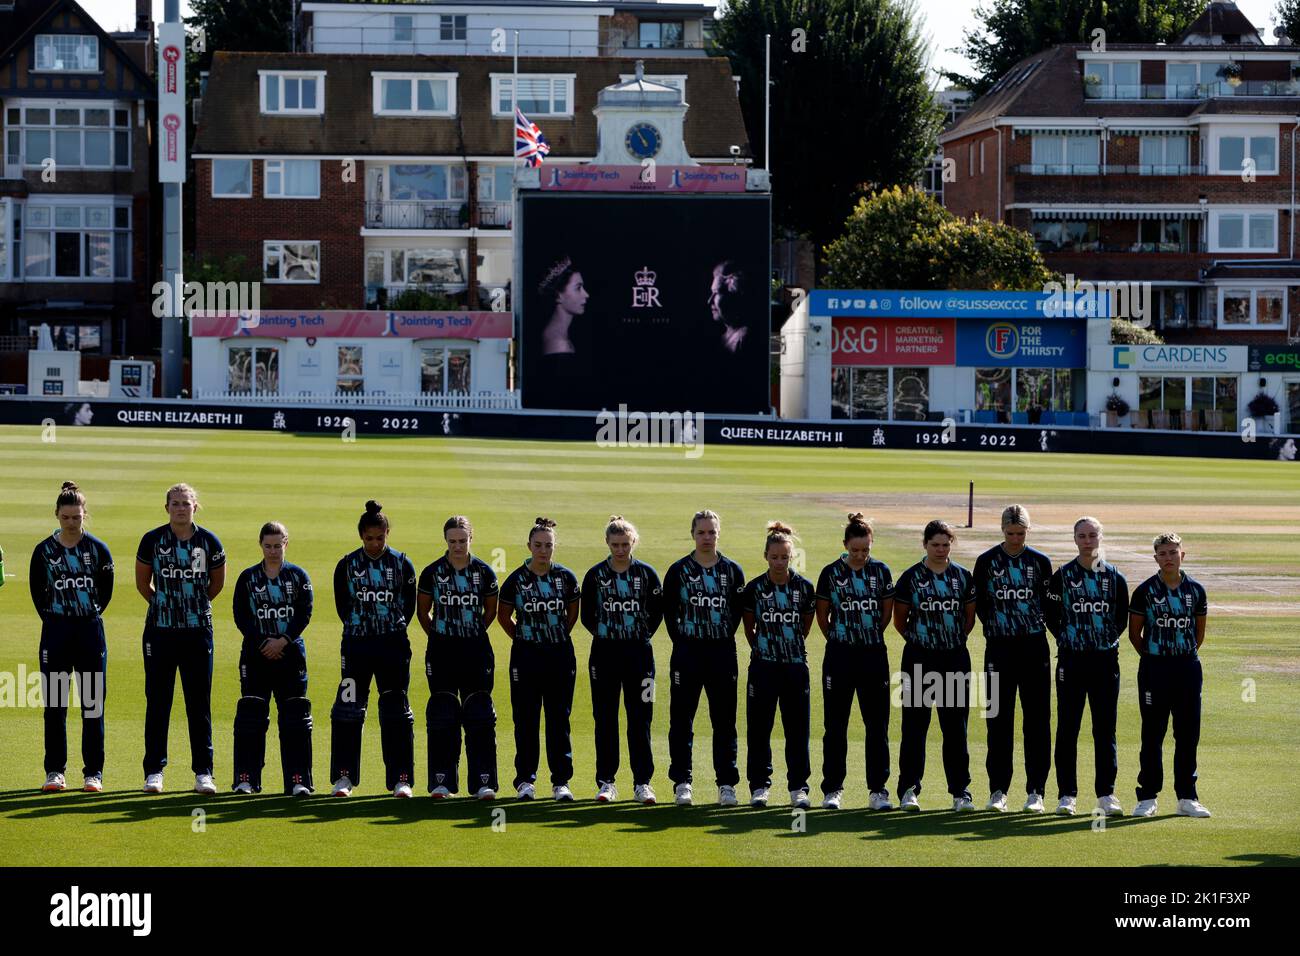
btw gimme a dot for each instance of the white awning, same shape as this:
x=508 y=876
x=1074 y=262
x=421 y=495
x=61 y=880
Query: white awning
x=1056 y=131
x=1180 y=212
x=1151 y=131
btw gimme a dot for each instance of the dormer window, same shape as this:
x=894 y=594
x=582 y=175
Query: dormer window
x=67 y=52
x=293 y=93
x=1112 y=80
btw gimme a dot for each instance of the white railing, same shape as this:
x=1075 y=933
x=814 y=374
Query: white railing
x=480 y=401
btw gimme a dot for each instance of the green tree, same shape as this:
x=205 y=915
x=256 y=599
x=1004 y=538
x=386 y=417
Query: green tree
x=1011 y=30
x=261 y=26
x=1287 y=16
x=851 y=106
x=1124 y=332
x=903 y=239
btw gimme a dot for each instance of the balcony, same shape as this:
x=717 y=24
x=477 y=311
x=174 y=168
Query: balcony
x=1097 y=169
x=451 y=296
x=435 y=214
x=417 y=214
x=1193 y=91
x=1165 y=248
x=476 y=41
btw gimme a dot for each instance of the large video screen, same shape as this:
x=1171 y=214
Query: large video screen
x=659 y=303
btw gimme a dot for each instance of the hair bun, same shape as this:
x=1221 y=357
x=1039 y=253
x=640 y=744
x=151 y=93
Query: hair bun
x=857 y=518
x=776 y=527
x=615 y=517
x=70 y=486
x=373 y=507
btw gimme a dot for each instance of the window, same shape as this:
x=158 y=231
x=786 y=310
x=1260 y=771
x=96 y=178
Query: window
x=291 y=261
x=414 y=94
x=1210 y=393
x=1233 y=150
x=1163 y=155
x=1068 y=235
x=68 y=52
x=253 y=369
x=1247 y=308
x=911 y=394
x=301 y=93
x=1180 y=81
x=1067 y=154
x=452 y=26
x=4 y=240
x=403 y=28
x=232 y=178
x=1161 y=235
x=351 y=377
x=981 y=157
x=71 y=241
x=1238 y=231
x=860 y=393
x=445 y=371
x=993 y=389
x=291 y=178
x=538 y=95
x=74 y=136
x=1171 y=393
x=1114 y=81
x=667 y=35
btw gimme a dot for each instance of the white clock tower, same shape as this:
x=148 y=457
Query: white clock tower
x=640 y=120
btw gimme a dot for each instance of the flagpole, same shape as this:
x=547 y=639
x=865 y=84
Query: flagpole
x=767 y=102
x=514 y=105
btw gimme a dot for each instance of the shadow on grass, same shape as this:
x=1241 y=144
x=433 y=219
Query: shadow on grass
x=465 y=813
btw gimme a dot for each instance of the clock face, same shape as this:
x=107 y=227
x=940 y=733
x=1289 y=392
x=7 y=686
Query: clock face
x=643 y=140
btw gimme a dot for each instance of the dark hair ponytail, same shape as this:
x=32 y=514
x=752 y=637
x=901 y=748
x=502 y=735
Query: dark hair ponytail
x=373 y=518
x=69 y=495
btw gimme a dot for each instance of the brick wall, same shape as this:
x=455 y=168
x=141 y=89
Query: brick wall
x=227 y=227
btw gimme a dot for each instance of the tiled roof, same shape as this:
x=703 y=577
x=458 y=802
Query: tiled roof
x=232 y=123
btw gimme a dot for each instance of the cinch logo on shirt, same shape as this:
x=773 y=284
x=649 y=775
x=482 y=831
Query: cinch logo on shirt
x=374 y=595
x=708 y=600
x=860 y=604
x=1174 y=622
x=185 y=574
x=1017 y=594
x=630 y=606
x=543 y=604
x=936 y=604
x=283 y=613
x=779 y=617
x=85 y=581
x=1089 y=607
x=456 y=599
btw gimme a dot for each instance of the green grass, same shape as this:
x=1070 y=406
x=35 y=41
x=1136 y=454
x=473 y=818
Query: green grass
x=1238 y=519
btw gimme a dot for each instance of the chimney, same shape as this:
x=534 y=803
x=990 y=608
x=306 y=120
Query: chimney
x=143 y=16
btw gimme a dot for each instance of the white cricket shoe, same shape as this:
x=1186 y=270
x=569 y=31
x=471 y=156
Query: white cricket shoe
x=54 y=782
x=644 y=793
x=526 y=791
x=962 y=804
x=1110 y=806
x=343 y=787
x=204 y=784
x=1066 y=806
x=833 y=800
x=440 y=793
x=243 y=787
x=727 y=796
x=562 y=793
x=1034 y=803
x=485 y=793
x=403 y=790
x=1145 y=808
x=682 y=794
x=301 y=790
x=94 y=784
x=1191 y=808
x=153 y=783
x=909 y=801
x=799 y=799
x=758 y=796
x=608 y=793
x=879 y=800
x=998 y=802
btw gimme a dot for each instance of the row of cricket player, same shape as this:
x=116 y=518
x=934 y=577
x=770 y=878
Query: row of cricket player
x=703 y=599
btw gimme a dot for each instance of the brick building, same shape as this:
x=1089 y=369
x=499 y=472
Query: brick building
x=1172 y=165
x=76 y=189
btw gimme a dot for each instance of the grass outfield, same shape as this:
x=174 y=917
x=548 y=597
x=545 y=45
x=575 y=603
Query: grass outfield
x=1238 y=520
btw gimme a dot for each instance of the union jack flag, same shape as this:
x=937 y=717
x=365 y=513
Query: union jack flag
x=530 y=145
